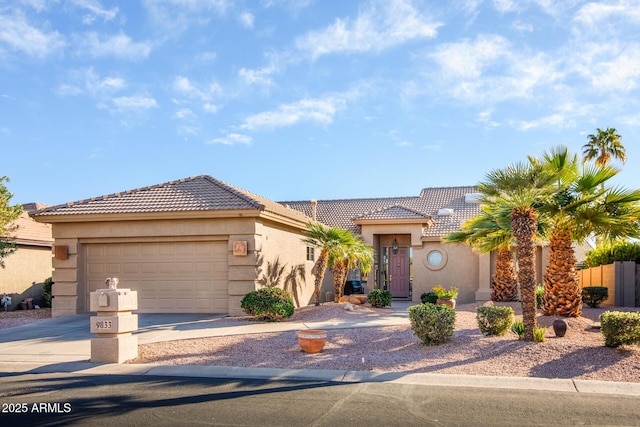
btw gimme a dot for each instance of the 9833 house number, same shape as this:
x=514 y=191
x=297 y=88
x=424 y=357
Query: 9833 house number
x=104 y=324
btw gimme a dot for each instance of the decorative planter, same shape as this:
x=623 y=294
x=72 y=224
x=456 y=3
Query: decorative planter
x=361 y=297
x=312 y=340
x=560 y=327
x=451 y=302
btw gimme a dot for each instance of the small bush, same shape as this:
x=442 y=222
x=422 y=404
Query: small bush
x=494 y=320
x=538 y=333
x=539 y=294
x=429 y=297
x=270 y=304
x=620 y=328
x=46 y=291
x=379 y=298
x=593 y=296
x=432 y=324
x=518 y=329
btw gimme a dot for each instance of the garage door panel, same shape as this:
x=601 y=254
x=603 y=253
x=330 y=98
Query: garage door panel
x=169 y=277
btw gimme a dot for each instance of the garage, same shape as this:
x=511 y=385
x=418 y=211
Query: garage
x=170 y=277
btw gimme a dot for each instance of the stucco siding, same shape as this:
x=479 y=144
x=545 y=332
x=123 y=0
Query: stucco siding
x=26 y=266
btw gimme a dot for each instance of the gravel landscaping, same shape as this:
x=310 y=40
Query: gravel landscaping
x=580 y=354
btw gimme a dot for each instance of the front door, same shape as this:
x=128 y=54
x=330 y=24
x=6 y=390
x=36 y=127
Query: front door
x=399 y=273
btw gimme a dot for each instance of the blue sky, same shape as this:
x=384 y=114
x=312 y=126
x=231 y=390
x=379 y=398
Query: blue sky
x=296 y=100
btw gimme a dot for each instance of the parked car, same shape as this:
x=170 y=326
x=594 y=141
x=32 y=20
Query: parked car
x=353 y=287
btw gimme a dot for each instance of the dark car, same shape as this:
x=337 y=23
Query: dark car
x=353 y=287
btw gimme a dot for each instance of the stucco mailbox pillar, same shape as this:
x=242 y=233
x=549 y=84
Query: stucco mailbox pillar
x=113 y=324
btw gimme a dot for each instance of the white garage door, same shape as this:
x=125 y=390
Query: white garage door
x=173 y=277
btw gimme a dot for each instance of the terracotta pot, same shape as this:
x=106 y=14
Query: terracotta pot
x=312 y=340
x=361 y=297
x=560 y=327
x=451 y=302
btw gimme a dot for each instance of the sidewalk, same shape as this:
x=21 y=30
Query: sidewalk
x=63 y=345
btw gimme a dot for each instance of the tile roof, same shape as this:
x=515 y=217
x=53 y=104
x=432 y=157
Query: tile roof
x=30 y=232
x=200 y=193
x=341 y=213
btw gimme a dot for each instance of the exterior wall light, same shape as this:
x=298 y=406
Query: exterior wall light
x=394 y=247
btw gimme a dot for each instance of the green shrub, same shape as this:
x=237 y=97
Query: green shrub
x=518 y=329
x=429 y=297
x=604 y=255
x=270 y=304
x=441 y=292
x=432 y=324
x=620 y=328
x=494 y=320
x=593 y=296
x=379 y=298
x=538 y=333
x=539 y=294
x=46 y=291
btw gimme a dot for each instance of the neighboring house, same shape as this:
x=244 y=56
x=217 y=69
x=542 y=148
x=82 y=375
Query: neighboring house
x=174 y=243
x=188 y=246
x=30 y=264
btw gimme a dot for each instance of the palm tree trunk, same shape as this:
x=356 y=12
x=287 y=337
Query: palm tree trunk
x=523 y=225
x=562 y=293
x=318 y=271
x=338 y=275
x=504 y=286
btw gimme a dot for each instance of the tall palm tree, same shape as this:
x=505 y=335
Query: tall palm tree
x=328 y=240
x=603 y=146
x=515 y=191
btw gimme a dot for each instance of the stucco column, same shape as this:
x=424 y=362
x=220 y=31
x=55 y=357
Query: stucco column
x=484 y=278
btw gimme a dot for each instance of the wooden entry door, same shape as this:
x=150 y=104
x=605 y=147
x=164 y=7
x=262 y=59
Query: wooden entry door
x=399 y=273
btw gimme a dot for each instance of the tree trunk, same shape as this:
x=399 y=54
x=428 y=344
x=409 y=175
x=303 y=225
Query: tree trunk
x=523 y=226
x=504 y=285
x=318 y=271
x=562 y=293
x=339 y=272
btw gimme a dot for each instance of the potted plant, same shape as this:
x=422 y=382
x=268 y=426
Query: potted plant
x=446 y=296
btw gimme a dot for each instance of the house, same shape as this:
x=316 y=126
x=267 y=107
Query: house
x=199 y=244
x=30 y=264
x=196 y=245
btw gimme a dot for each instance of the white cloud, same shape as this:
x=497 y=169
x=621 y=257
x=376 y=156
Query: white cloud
x=210 y=108
x=595 y=13
x=468 y=59
x=174 y=17
x=184 y=114
x=117 y=46
x=319 y=111
x=134 y=103
x=383 y=25
x=261 y=77
x=95 y=11
x=19 y=35
x=246 y=19
x=232 y=139
x=87 y=82
x=609 y=67
x=186 y=87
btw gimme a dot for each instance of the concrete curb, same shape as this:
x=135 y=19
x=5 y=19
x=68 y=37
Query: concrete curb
x=341 y=376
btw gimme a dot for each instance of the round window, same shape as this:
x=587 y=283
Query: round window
x=436 y=259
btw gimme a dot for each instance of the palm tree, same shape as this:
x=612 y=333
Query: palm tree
x=584 y=209
x=353 y=253
x=514 y=192
x=487 y=233
x=328 y=240
x=603 y=146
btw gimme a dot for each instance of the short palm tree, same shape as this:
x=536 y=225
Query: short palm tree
x=353 y=253
x=328 y=240
x=487 y=232
x=579 y=207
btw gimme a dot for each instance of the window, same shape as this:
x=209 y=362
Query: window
x=436 y=259
x=311 y=253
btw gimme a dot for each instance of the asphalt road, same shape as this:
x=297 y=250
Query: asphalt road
x=62 y=399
